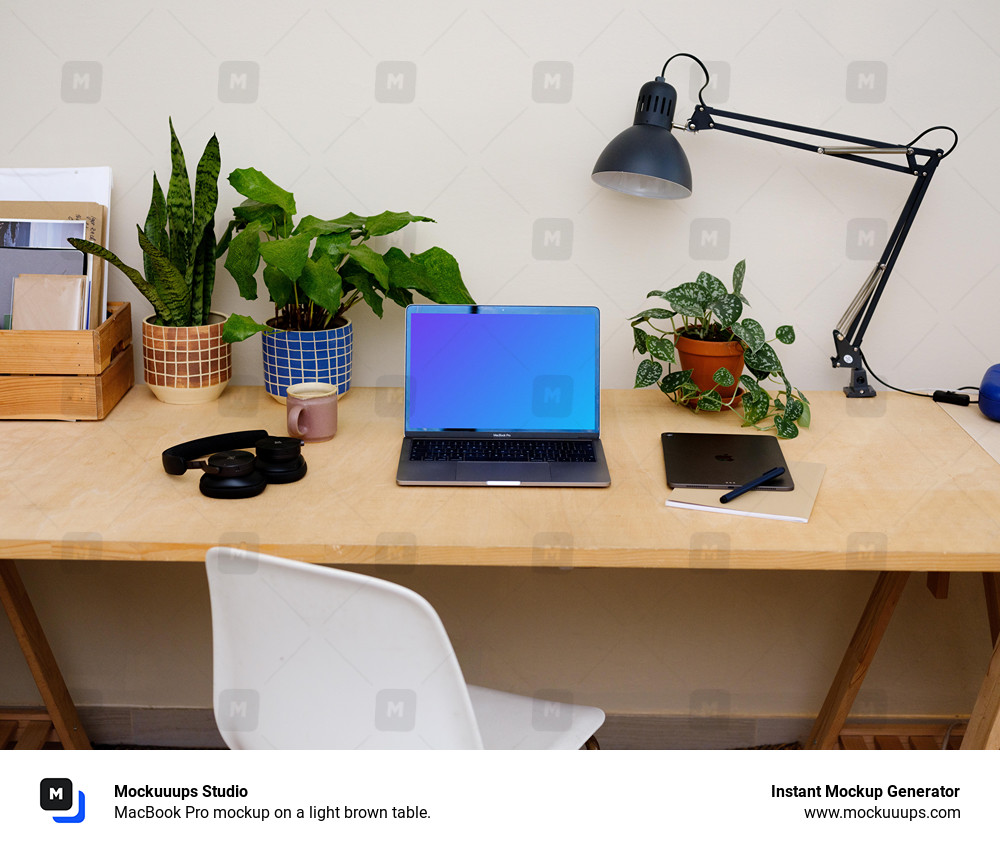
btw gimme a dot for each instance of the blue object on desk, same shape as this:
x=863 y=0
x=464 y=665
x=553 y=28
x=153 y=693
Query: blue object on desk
x=989 y=393
x=770 y=475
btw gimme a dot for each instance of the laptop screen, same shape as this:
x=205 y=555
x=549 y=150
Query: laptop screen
x=502 y=369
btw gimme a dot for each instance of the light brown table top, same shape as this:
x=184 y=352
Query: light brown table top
x=905 y=489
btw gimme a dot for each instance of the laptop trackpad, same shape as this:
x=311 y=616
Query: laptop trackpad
x=470 y=470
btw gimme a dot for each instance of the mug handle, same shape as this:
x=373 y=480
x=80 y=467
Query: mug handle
x=294 y=418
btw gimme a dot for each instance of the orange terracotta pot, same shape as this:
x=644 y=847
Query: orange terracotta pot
x=187 y=365
x=705 y=358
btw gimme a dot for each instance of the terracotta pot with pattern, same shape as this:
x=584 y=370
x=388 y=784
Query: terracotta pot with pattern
x=186 y=365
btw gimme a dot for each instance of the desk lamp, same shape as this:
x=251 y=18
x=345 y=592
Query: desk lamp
x=647 y=160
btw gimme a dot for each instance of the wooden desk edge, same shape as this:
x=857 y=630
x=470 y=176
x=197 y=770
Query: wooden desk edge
x=511 y=556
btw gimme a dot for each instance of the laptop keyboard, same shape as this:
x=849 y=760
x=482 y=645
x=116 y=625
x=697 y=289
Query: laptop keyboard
x=538 y=451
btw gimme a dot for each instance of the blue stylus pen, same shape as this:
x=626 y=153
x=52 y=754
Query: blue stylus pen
x=770 y=475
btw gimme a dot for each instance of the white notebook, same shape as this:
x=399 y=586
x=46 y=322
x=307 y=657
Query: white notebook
x=789 y=505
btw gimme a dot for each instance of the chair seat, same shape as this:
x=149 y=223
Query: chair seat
x=513 y=722
x=311 y=657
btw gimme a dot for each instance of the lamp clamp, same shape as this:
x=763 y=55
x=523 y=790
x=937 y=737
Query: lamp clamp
x=849 y=356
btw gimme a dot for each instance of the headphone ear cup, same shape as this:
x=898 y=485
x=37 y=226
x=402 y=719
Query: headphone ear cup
x=279 y=459
x=234 y=476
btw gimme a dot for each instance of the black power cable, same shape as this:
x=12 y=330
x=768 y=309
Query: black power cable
x=944 y=396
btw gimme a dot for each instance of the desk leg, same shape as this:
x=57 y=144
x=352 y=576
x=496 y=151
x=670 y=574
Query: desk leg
x=991 y=584
x=40 y=659
x=858 y=658
x=984 y=723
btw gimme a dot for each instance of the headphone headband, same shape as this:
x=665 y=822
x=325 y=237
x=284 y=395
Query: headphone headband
x=178 y=459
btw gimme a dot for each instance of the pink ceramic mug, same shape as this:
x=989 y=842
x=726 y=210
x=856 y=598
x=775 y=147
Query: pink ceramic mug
x=312 y=411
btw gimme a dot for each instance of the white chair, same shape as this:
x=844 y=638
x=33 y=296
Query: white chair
x=309 y=657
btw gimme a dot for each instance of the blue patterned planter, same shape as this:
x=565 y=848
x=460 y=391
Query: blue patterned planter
x=294 y=357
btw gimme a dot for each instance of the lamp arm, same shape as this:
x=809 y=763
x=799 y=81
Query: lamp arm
x=704 y=118
x=851 y=329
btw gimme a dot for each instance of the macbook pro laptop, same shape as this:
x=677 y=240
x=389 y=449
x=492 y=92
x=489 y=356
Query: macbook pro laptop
x=502 y=396
x=722 y=461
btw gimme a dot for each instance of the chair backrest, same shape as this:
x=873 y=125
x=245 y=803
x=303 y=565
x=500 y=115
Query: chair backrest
x=309 y=657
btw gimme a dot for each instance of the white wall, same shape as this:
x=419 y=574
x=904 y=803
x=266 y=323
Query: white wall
x=491 y=124
x=489 y=116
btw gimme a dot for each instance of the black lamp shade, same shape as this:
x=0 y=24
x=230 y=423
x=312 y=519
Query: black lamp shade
x=646 y=159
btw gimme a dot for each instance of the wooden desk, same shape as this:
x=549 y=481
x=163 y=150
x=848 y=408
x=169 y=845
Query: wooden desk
x=906 y=489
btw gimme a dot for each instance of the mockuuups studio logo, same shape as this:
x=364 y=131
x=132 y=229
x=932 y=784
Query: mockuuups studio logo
x=867 y=82
x=395 y=82
x=866 y=238
x=396 y=710
x=82 y=545
x=552 y=711
x=552 y=396
x=81 y=82
x=552 y=82
x=239 y=710
x=552 y=550
x=239 y=82
x=710 y=702
x=866 y=550
x=552 y=239
x=396 y=550
x=388 y=398
x=709 y=550
x=871 y=703
x=56 y=795
x=717 y=90
x=709 y=239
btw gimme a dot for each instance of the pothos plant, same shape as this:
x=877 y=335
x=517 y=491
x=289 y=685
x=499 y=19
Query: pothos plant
x=317 y=269
x=705 y=309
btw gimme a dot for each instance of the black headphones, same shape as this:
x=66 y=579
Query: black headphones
x=231 y=473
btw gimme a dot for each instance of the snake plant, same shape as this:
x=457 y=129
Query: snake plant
x=177 y=241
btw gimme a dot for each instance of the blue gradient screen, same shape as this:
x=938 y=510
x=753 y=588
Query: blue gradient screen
x=502 y=369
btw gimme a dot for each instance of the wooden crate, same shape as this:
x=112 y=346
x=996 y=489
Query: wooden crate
x=67 y=374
